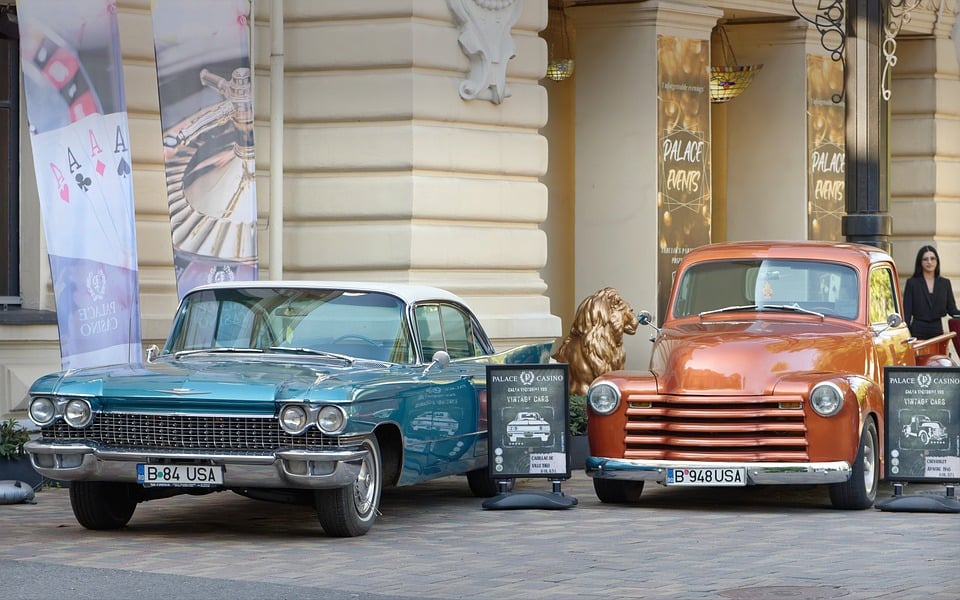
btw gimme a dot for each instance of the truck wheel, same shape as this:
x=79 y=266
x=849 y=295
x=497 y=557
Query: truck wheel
x=103 y=505
x=483 y=486
x=613 y=491
x=860 y=491
x=351 y=510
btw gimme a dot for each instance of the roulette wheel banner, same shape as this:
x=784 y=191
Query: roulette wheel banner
x=76 y=109
x=206 y=113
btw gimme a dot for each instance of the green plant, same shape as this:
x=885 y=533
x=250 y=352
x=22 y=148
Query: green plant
x=578 y=415
x=12 y=439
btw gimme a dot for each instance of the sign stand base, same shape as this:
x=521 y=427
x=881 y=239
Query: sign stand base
x=554 y=500
x=899 y=502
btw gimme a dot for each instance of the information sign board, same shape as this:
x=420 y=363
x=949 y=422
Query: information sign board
x=922 y=424
x=527 y=416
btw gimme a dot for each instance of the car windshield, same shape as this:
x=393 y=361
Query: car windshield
x=824 y=288
x=305 y=321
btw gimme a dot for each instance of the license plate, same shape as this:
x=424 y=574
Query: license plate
x=179 y=475
x=707 y=476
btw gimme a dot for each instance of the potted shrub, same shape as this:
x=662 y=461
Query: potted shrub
x=578 y=431
x=14 y=462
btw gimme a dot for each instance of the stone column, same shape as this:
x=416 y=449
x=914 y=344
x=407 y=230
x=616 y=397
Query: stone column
x=616 y=132
x=925 y=146
x=393 y=175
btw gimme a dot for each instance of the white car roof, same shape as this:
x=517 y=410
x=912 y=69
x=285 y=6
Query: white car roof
x=407 y=292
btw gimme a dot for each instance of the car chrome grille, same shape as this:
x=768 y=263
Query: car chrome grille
x=124 y=430
x=716 y=428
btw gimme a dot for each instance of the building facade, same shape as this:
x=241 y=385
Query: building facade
x=523 y=195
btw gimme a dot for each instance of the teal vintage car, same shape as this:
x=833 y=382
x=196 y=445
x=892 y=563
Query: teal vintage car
x=309 y=392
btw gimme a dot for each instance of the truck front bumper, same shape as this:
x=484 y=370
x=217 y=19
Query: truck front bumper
x=766 y=473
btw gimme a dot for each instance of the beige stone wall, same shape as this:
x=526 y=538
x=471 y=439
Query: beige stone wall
x=389 y=173
x=521 y=207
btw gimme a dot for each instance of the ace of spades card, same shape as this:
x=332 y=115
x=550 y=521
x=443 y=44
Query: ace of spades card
x=87 y=167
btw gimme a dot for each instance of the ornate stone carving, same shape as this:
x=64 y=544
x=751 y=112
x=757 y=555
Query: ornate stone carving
x=594 y=345
x=485 y=39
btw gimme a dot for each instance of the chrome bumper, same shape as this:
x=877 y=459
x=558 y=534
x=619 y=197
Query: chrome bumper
x=768 y=473
x=303 y=469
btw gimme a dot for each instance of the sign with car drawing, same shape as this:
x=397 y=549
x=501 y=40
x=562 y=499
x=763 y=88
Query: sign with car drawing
x=527 y=417
x=923 y=424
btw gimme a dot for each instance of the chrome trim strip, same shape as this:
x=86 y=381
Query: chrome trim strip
x=772 y=473
x=285 y=468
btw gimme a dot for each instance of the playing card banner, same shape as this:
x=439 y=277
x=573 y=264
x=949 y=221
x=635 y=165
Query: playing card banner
x=73 y=82
x=206 y=112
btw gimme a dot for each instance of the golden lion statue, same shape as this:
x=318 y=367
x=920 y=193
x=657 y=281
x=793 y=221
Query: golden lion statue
x=594 y=345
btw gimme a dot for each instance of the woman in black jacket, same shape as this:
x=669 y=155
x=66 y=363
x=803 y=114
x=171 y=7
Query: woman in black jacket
x=927 y=297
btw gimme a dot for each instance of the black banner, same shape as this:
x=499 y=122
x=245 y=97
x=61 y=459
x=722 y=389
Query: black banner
x=922 y=432
x=527 y=416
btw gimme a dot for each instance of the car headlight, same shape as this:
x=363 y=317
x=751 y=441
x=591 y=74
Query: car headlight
x=77 y=413
x=603 y=398
x=293 y=419
x=43 y=410
x=826 y=399
x=331 y=419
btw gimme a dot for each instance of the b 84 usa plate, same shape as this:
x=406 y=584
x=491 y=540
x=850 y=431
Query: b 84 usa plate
x=179 y=475
x=707 y=476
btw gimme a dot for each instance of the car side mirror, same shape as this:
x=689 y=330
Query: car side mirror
x=441 y=360
x=893 y=320
x=645 y=318
x=152 y=353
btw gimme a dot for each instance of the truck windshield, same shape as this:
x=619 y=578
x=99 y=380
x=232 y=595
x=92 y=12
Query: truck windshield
x=830 y=289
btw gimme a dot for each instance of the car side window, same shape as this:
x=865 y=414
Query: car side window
x=431 y=332
x=883 y=295
x=446 y=327
x=457 y=332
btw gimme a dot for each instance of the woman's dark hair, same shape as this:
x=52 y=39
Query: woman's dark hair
x=918 y=268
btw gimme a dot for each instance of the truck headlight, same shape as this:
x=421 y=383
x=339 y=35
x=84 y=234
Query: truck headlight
x=77 y=413
x=293 y=419
x=43 y=410
x=826 y=399
x=331 y=419
x=603 y=398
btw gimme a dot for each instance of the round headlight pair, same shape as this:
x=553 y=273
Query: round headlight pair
x=826 y=399
x=296 y=418
x=603 y=398
x=77 y=412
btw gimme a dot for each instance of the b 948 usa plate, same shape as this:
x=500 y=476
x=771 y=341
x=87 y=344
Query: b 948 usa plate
x=179 y=475
x=707 y=476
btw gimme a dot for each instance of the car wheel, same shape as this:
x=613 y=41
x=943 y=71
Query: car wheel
x=483 y=485
x=860 y=491
x=351 y=510
x=924 y=438
x=103 y=505
x=614 y=491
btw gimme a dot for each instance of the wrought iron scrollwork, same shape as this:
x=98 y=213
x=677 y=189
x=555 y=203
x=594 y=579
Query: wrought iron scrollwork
x=830 y=22
x=898 y=13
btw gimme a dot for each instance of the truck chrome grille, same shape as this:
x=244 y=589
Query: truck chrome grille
x=124 y=430
x=716 y=428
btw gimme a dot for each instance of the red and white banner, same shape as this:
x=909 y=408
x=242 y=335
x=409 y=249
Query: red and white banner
x=73 y=82
x=206 y=113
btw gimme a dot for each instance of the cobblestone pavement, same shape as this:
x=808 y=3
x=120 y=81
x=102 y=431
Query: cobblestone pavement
x=435 y=540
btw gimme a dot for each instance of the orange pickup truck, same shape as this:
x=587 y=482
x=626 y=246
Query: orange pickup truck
x=768 y=369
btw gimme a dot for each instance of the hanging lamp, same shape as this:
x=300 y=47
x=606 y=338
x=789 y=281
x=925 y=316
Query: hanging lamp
x=560 y=56
x=729 y=80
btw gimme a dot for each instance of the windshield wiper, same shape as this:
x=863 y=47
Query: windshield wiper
x=728 y=309
x=215 y=351
x=794 y=308
x=301 y=350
